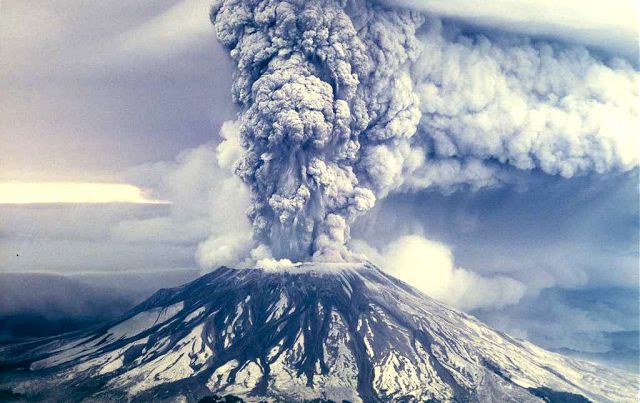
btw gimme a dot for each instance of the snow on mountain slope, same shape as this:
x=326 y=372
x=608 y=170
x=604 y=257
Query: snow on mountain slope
x=340 y=332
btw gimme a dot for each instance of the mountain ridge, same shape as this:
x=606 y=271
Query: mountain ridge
x=340 y=332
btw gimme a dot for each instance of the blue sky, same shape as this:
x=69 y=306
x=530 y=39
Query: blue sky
x=138 y=93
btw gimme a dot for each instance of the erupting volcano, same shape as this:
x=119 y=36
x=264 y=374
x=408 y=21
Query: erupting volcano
x=314 y=331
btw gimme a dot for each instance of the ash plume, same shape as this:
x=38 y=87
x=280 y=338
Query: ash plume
x=318 y=82
x=343 y=102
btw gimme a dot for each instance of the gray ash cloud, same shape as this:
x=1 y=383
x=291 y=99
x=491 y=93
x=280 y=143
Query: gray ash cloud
x=343 y=102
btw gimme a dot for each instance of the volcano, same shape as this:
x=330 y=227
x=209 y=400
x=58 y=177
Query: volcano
x=341 y=332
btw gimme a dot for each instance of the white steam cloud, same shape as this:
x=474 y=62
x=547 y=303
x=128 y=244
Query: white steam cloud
x=209 y=203
x=230 y=239
x=429 y=266
x=343 y=102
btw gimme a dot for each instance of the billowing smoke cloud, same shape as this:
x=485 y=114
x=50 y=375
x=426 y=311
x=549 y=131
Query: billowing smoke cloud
x=491 y=105
x=209 y=203
x=429 y=266
x=343 y=102
x=318 y=82
x=529 y=105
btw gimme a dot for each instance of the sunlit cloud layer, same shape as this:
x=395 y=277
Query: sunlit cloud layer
x=611 y=26
x=72 y=192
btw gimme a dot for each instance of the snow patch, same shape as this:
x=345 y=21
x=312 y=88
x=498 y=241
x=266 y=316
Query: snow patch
x=278 y=308
x=143 y=321
x=195 y=314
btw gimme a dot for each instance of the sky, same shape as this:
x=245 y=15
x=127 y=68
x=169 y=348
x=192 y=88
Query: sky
x=136 y=96
x=81 y=80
